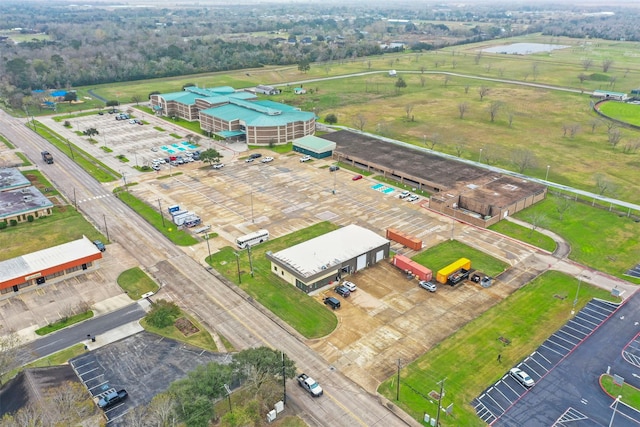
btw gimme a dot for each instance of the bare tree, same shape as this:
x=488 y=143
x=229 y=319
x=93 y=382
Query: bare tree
x=8 y=353
x=594 y=123
x=408 y=109
x=535 y=70
x=454 y=63
x=463 y=107
x=573 y=130
x=614 y=136
x=359 y=121
x=490 y=155
x=68 y=403
x=466 y=89
x=137 y=417
x=423 y=81
x=536 y=220
x=447 y=79
x=434 y=140
x=523 y=159
x=612 y=82
x=501 y=71
x=603 y=184
x=562 y=205
x=488 y=67
x=582 y=77
x=606 y=64
x=483 y=91
x=136 y=99
x=587 y=63
x=161 y=409
x=510 y=116
x=631 y=147
x=459 y=147
x=422 y=69
x=477 y=58
x=493 y=109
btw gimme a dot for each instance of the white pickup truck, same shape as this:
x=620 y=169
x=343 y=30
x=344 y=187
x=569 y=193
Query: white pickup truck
x=309 y=384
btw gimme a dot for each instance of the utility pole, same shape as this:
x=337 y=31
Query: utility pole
x=440 y=401
x=208 y=248
x=250 y=263
x=238 y=264
x=398 y=383
x=161 y=216
x=104 y=217
x=284 y=382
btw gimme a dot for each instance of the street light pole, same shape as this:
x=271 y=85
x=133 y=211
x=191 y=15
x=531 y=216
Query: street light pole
x=206 y=236
x=615 y=408
x=480 y=156
x=575 y=300
x=238 y=264
x=546 y=176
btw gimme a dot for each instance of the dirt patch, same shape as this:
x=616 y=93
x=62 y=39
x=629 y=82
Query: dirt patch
x=185 y=326
x=391 y=317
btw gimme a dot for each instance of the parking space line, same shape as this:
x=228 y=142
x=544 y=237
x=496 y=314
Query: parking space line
x=497 y=404
x=572 y=341
x=99 y=385
x=557 y=343
x=540 y=364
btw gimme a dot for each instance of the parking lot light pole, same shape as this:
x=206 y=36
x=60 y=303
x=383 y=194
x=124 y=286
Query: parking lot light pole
x=206 y=236
x=575 y=300
x=238 y=264
x=480 y=156
x=615 y=408
x=546 y=176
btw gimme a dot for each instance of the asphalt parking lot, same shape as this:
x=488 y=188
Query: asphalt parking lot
x=128 y=364
x=498 y=398
x=568 y=393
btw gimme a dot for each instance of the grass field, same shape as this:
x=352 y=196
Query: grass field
x=524 y=234
x=65 y=225
x=526 y=318
x=136 y=283
x=296 y=308
x=600 y=239
x=628 y=113
x=201 y=339
x=166 y=227
x=445 y=253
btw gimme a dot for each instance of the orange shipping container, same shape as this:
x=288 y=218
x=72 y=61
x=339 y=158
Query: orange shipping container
x=419 y=270
x=404 y=239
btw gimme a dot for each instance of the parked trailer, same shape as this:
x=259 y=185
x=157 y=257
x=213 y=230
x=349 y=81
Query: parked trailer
x=443 y=275
x=187 y=217
x=406 y=264
x=404 y=239
x=458 y=277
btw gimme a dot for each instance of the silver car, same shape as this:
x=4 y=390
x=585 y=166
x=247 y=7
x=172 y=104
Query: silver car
x=430 y=286
x=522 y=377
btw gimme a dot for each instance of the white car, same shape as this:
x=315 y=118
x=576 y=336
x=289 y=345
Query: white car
x=249 y=160
x=267 y=160
x=218 y=166
x=350 y=285
x=522 y=377
x=425 y=284
x=412 y=198
x=404 y=194
x=161 y=161
x=305 y=159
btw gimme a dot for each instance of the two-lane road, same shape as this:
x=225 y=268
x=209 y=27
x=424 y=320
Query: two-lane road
x=185 y=279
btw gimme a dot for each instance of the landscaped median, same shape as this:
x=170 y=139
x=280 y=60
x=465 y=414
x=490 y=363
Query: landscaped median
x=630 y=395
x=467 y=359
x=302 y=312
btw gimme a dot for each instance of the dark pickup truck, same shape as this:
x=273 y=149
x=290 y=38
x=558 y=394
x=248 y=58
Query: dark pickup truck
x=112 y=398
x=458 y=277
x=47 y=157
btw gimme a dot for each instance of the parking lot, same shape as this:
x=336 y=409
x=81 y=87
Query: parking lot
x=128 y=364
x=498 y=398
x=382 y=321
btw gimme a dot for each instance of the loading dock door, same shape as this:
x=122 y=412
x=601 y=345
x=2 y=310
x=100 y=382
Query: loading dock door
x=379 y=255
x=361 y=262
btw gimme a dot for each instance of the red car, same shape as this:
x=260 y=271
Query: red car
x=357 y=177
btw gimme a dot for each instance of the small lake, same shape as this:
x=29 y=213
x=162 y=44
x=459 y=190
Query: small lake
x=524 y=48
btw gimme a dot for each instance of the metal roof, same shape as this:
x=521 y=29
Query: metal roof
x=329 y=250
x=46 y=258
x=23 y=200
x=258 y=113
x=11 y=178
x=315 y=144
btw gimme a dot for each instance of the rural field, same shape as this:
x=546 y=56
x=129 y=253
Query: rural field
x=557 y=129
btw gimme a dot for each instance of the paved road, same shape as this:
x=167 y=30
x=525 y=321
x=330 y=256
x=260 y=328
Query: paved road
x=73 y=335
x=344 y=403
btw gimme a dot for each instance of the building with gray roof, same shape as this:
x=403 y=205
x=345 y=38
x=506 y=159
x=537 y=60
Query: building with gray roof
x=325 y=259
x=19 y=201
x=313 y=146
x=55 y=263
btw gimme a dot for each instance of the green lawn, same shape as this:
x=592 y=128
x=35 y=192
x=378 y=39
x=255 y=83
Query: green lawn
x=201 y=339
x=136 y=283
x=467 y=359
x=628 y=113
x=165 y=226
x=525 y=234
x=64 y=322
x=445 y=253
x=296 y=308
x=630 y=395
x=600 y=239
x=64 y=225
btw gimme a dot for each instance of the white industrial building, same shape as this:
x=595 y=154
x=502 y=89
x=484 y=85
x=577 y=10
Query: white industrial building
x=318 y=262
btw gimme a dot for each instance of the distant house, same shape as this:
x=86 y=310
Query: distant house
x=299 y=91
x=605 y=94
x=267 y=90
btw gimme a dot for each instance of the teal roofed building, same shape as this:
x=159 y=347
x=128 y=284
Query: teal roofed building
x=236 y=115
